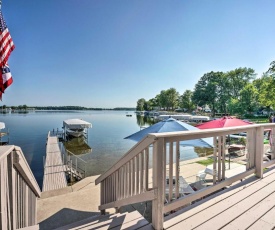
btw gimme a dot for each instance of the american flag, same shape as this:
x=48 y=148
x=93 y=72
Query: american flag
x=5 y=79
x=6 y=47
x=6 y=43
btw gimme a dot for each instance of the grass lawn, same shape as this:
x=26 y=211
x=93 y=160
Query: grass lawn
x=259 y=120
x=206 y=162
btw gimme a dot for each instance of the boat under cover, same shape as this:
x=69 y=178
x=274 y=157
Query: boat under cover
x=76 y=124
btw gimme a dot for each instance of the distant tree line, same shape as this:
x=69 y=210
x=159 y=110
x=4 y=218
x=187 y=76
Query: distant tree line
x=235 y=92
x=25 y=107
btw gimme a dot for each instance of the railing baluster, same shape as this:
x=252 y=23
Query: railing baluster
x=120 y=183
x=177 y=169
x=215 y=160
x=117 y=184
x=133 y=176
x=223 y=156
x=137 y=174
x=124 y=179
x=219 y=158
x=130 y=178
x=170 y=171
x=142 y=172
x=102 y=195
x=146 y=169
x=111 y=188
x=164 y=172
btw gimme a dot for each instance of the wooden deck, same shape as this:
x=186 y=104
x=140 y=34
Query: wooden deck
x=54 y=171
x=246 y=205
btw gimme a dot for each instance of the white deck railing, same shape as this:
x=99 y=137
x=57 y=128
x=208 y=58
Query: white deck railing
x=19 y=190
x=129 y=180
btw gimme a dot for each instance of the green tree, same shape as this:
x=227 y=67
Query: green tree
x=238 y=78
x=271 y=69
x=248 y=98
x=265 y=90
x=172 y=98
x=163 y=100
x=147 y=106
x=185 y=100
x=140 y=104
x=223 y=92
x=207 y=90
x=234 y=106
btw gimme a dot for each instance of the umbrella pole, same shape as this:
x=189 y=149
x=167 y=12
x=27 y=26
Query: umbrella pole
x=229 y=152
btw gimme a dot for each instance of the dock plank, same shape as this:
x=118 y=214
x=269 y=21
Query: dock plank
x=54 y=171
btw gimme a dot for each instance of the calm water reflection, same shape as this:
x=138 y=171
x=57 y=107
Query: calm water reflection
x=106 y=137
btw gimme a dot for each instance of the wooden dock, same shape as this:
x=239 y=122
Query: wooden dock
x=54 y=170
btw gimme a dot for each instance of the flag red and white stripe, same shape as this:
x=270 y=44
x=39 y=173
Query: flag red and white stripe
x=6 y=47
x=6 y=43
x=5 y=79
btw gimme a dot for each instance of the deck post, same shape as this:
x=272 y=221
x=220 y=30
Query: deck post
x=12 y=195
x=259 y=141
x=158 y=184
x=272 y=144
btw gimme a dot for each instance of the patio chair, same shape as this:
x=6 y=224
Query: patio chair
x=201 y=176
x=200 y=180
x=184 y=187
x=268 y=155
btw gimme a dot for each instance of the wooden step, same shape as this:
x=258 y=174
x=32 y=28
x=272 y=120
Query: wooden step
x=132 y=220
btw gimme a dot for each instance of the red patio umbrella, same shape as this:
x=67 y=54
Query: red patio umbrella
x=222 y=123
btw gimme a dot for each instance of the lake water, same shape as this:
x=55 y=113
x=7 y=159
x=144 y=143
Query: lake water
x=106 y=137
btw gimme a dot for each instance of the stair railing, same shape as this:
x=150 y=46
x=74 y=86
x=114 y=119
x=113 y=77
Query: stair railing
x=19 y=190
x=127 y=181
x=75 y=162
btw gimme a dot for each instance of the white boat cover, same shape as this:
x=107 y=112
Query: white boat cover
x=76 y=124
x=2 y=125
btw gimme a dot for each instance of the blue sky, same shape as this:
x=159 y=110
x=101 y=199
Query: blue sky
x=99 y=53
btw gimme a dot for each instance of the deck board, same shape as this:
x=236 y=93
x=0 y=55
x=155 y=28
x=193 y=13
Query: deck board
x=245 y=207
x=267 y=221
x=54 y=171
x=132 y=220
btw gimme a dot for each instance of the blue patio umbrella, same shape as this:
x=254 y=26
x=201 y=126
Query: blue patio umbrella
x=172 y=125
